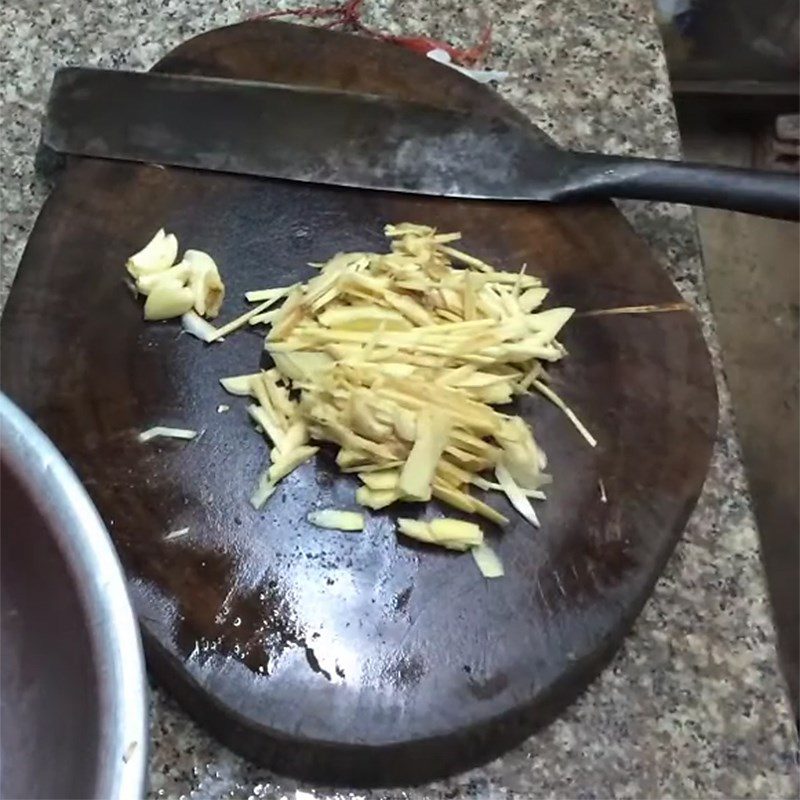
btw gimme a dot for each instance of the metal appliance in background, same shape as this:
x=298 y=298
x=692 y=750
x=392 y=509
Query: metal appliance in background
x=738 y=59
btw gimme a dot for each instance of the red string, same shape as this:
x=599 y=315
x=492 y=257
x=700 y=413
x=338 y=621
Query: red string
x=348 y=15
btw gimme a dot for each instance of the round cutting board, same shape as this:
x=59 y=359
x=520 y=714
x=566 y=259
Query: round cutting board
x=359 y=659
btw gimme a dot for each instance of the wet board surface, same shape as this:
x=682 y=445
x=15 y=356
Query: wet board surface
x=353 y=658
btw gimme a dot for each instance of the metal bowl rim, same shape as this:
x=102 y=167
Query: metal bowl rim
x=86 y=546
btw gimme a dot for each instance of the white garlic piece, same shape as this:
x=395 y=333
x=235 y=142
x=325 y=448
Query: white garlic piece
x=168 y=298
x=205 y=282
x=157 y=255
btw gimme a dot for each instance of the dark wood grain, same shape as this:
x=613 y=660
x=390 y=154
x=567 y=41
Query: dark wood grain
x=355 y=659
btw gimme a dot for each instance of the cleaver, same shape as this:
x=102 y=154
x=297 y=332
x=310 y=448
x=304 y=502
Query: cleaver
x=368 y=142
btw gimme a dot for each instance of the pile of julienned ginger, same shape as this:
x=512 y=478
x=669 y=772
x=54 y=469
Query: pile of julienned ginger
x=399 y=359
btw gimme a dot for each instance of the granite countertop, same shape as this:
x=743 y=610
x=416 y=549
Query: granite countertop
x=693 y=704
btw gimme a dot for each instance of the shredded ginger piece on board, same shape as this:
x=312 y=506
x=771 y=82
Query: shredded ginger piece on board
x=195 y=325
x=398 y=359
x=455 y=534
x=488 y=561
x=162 y=431
x=176 y=534
x=336 y=520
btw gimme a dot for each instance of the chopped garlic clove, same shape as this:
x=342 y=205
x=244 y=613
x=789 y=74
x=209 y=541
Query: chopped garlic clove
x=179 y=273
x=195 y=325
x=156 y=274
x=205 y=282
x=157 y=255
x=337 y=520
x=167 y=299
x=488 y=561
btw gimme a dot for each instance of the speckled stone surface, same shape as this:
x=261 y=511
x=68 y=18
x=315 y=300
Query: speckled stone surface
x=693 y=705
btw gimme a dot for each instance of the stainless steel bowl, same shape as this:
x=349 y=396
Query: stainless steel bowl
x=72 y=691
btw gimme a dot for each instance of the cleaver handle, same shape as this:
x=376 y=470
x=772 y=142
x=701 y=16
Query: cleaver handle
x=768 y=194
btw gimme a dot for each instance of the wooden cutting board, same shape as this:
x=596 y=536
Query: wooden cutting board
x=356 y=659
